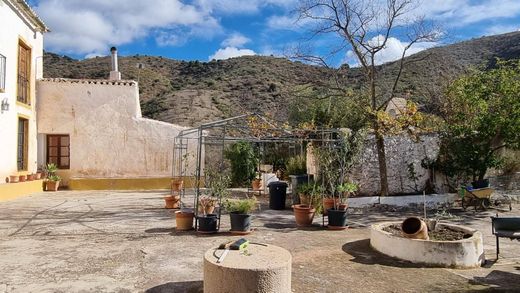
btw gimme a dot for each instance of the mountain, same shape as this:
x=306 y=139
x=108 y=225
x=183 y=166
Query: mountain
x=189 y=93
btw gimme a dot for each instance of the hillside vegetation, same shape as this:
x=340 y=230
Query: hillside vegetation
x=189 y=93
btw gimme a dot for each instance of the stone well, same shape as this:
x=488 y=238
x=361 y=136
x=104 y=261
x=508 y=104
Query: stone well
x=465 y=253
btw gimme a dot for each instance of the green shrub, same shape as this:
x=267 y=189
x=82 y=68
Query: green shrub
x=244 y=160
x=297 y=165
x=240 y=206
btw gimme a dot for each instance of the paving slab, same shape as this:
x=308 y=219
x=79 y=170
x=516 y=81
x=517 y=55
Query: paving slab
x=117 y=241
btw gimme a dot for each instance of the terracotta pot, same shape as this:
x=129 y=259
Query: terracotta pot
x=328 y=203
x=415 y=228
x=14 y=178
x=177 y=184
x=303 y=214
x=184 y=220
x=343 y=207
x=172 y=201
x=22 y=178
x=38 y=176
x=30 y=177
x=52 y=185
x=256 y=184
x=304 y=199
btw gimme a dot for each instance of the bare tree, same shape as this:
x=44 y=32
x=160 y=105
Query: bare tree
x=365 y=26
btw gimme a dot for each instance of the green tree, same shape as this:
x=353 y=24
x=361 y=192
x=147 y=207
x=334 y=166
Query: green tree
x=244 y=160
x=482 y=115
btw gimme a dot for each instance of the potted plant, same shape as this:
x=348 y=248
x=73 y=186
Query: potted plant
x=335 y=161
x=337 y=215
x=256 y=183
x=304 y=213
x=296 y=167
x=217 y=188
x=184 y=220
x=240 y=213
x=172 y=201
x=53 y=180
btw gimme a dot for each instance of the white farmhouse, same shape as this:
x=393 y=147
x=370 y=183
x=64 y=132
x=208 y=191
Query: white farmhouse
x=21 y=51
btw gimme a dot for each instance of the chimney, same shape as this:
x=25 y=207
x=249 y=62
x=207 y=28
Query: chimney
x=114 y=74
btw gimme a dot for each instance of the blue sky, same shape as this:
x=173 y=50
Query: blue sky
x=207 y=29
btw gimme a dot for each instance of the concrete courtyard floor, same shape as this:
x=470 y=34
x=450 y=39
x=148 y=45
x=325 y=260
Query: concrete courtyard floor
x=109 y=241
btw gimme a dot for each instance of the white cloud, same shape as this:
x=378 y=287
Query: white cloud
x=230 y=52
x=235 y=40
x=86 y=27
x=392 y=51
x=501 y=29
x=242 y=6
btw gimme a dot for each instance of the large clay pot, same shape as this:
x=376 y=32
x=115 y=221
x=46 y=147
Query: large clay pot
x=30 y=177
x=415 y=228
x=38 y=176
x=172 y=201
x=303 y=214
x=52 y=185
x=22 y=178
x=177 y=184
x=256 y=184
x=14 y=178
x=184 y=220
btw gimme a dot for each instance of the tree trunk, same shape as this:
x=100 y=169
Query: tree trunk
x=381 y=156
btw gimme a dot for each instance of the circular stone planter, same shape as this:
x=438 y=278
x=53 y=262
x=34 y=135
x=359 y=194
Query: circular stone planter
x=465 y=253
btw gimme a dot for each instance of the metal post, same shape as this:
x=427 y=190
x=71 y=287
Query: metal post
x=197 y=179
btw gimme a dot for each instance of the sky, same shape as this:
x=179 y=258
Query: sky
x=219 y=29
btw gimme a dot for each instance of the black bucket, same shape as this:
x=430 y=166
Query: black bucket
x=240 y=222
x=337 y=218
x=207 y=223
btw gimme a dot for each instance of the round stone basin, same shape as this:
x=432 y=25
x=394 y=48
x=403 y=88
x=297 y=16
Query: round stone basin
x=464 y=253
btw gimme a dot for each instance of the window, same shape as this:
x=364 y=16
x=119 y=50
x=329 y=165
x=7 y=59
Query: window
x=2 y=73
x=23 y=130
x=58 y=150
x=24 y=74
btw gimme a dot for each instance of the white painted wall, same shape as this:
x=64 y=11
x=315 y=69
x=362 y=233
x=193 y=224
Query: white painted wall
x=12 y=29
x=109 y=138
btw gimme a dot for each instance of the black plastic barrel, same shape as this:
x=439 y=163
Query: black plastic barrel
x=277 y=195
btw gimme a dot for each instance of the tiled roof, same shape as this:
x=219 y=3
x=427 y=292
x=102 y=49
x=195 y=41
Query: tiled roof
x=91 y=81
x=26 y=11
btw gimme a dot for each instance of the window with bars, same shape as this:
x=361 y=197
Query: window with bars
x=2 y=73
x=24 y=74
x=58 y=150
x=22 y=149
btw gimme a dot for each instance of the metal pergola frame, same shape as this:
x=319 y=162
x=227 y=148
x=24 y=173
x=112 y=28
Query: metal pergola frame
x=233 y=131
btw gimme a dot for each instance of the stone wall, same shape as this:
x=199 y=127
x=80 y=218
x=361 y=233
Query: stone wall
x=401 y=152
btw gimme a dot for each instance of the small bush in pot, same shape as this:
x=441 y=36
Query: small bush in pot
x=53 y=180
x=217 y=188
x=304 y=213
x=240 y=213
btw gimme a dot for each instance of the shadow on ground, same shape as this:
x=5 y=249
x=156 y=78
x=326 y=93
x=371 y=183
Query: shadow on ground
x=499 y=281
x=180 y=287
x=364 y=254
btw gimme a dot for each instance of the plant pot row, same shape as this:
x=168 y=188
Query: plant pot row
x=208 y=223
x=23 y=178
x=337 y=218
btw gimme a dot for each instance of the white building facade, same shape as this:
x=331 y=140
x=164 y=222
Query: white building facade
x=21 y=52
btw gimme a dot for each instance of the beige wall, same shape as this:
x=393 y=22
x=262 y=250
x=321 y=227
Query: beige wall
x=13 y=29
x=109 y=138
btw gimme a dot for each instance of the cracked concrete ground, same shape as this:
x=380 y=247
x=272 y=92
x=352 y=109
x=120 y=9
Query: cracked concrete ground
x=110 y=241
